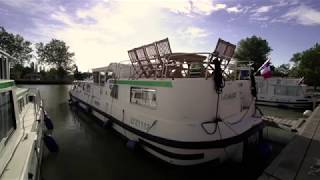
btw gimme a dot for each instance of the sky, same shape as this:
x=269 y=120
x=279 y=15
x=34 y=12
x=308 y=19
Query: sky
x=102 y=31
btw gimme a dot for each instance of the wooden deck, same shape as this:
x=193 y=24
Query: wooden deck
x=300 y=159
x=289 y=124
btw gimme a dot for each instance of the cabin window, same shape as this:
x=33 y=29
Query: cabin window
x=3 y=68
x=95 y=77
x=143 y=96
x=7 y=116
x=114 y=91
x=292 y=91
x=102 y=78
x=88 y=88
x=280 y=90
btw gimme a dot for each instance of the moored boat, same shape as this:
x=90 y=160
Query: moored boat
x=285 y=92
x=21 y=127
x=176 y=106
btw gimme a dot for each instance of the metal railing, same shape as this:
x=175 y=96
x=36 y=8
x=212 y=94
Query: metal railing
x=171 y=67
x=37 y=101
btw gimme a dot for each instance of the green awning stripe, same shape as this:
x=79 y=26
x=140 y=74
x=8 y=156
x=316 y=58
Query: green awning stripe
x=145 y=83
x=6 y=84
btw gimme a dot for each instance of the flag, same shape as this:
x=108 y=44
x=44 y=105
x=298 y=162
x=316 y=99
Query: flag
x=266 y=70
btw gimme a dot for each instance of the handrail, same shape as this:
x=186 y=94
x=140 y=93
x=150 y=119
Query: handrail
x=38 y=102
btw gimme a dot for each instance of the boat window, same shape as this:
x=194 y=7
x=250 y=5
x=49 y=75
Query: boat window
x=143 y=96
x=3 y=68
x=95 y=77
x=114 y=91
x=292 y=90
x=280 y=90
x=88 y=88
x=102 y=77
x=7 y=116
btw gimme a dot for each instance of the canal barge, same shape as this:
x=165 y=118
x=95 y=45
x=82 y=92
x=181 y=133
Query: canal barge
x=285 y=92
x=181 y=107
x=21 y=127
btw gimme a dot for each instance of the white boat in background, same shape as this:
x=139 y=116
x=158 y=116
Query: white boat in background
x=176 y=106
x=285 y=92
x=21 y=128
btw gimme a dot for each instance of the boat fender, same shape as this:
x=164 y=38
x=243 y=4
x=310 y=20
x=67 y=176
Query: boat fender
x=107 y=124
x=132 y=145
x=70 y=102
x=48 y=122
x=307 y=113
x=50 y=143
x=88 y=110
x=265 y=149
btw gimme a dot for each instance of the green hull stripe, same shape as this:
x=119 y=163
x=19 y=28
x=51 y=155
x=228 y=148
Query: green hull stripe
x=145 y=83
x=6 y=84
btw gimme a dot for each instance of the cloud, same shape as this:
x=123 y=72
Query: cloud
x=260 y=18
x=194 y=32
x=117 y=27
x=263 y=9
x=302 y=15
x=234 y=9
x=189 y=7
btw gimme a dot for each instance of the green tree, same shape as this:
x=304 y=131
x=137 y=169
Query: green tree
x=253 y=49
x=307 y=64
x=283 y=70
x=16 y=46
x=56 y=53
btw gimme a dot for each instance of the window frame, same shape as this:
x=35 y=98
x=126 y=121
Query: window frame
x=9 y=132
x=146 y=100
x=114 y=93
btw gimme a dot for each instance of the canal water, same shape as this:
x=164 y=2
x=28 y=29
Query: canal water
x=87 y=151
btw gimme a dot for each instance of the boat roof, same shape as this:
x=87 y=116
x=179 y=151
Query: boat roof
x=21 y=91
x=282 y=80
x=101 y=69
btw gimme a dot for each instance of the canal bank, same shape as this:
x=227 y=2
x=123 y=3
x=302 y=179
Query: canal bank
x=87 y=151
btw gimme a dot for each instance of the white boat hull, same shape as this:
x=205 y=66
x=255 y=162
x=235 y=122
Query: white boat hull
x=173 y=151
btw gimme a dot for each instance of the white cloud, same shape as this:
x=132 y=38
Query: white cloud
x=61 y=8
x=303 y=15
x=219 y=6
x=194 y=32
x=260 y=18
x=262 y=9
x=234 y=9
x=189 y=7
x=119 y=27
x=31 y=6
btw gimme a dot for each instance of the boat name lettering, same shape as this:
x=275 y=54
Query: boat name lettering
x=139 y=124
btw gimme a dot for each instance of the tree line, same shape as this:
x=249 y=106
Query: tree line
x=55 y=54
